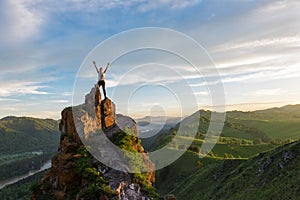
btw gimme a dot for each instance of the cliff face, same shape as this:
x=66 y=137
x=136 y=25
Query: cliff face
x=76 y=174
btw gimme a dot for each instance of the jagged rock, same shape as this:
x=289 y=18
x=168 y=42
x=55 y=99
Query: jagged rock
x=88 y=125
x=67 y=125
x=287 y=156
x=264 y=165
x=132 y=191
x=125 y=122
x=60 y=195
x=107 y=113
x=170 y=197
x=92 y=104
x=93 y=99
x=102 y=110
x=63 y=178
x=66 y=146
x=281 y=165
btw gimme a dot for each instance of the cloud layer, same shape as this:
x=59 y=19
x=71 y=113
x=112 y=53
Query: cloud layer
x=254 y=44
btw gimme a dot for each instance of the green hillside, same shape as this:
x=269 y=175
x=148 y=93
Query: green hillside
x=249 y=161
x=279 y=123
x=256 y=157
x=21 y=189
x=244 y=134
x=25 y=144
x=271 y=175
x=20 y=134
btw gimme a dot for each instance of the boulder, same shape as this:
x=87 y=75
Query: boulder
x=108 y=114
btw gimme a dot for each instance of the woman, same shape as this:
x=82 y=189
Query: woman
x=101 y=76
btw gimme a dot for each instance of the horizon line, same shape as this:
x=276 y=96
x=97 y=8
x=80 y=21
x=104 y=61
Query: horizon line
x=206 y=108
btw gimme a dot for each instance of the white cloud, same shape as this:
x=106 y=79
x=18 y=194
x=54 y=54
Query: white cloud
x=41 y=114
x=202 y=93
x=252 y=106
x=242 y=61
x=9 y=100
x=259 y=45
x=67 y=94
x=18 y=21
x=173 y=4
x=157 y=73
x=9 y=109
x=266 y=92
x=20 y=88
x=99 y=5
x=204 y=83
x=60 y=101
x=286 y=41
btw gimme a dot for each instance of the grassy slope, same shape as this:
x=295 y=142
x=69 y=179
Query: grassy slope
x=282 y=123
x=242 y=129
x=237 y=150
x=274 y=182
x=182 y=179
x=233 y=179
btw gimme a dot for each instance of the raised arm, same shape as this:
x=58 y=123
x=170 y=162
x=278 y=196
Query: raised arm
x=106 y=67
x=94 y=62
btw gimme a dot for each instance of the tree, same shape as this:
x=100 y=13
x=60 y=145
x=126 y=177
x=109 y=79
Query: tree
x=257 y=141
x=198 y=164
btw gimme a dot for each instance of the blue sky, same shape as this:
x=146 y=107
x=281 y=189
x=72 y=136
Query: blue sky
x=254 y=44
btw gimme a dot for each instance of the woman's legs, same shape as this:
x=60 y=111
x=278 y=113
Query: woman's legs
x=102 y=83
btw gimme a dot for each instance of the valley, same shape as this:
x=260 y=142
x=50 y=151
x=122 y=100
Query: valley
x=254 y=149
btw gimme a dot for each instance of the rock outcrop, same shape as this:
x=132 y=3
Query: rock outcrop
x=108 y=109
x=76 y=174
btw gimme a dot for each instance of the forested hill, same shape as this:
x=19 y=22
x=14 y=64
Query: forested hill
x=256 y=157
x=276 y=123
x=26 y=143
x=20 y=134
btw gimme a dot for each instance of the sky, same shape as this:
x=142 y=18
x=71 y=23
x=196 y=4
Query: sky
x=254 y=45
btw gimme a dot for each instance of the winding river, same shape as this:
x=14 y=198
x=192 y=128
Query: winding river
x=15 y=179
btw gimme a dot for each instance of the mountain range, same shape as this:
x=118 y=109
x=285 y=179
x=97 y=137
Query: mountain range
x=256 y=156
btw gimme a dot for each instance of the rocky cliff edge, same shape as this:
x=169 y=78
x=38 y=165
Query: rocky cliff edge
x=76 y=173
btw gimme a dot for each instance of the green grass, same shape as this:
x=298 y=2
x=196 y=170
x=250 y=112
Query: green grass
x=237 y=150
x=233 y=179
x=282 y=123
x=248 y=140
x=282 y=129
x=236 y=133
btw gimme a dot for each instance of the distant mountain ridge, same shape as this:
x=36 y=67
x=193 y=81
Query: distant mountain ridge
x=275 y=123
x=26 y=143
x=19 y=134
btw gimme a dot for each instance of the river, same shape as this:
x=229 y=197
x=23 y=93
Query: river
x=15 y=179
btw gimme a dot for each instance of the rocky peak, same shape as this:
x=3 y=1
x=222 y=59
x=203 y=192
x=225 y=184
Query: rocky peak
x=76 y=174
x=102 y=110
x=108 y=114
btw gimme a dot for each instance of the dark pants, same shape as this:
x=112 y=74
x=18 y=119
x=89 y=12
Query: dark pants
x=102 y=83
